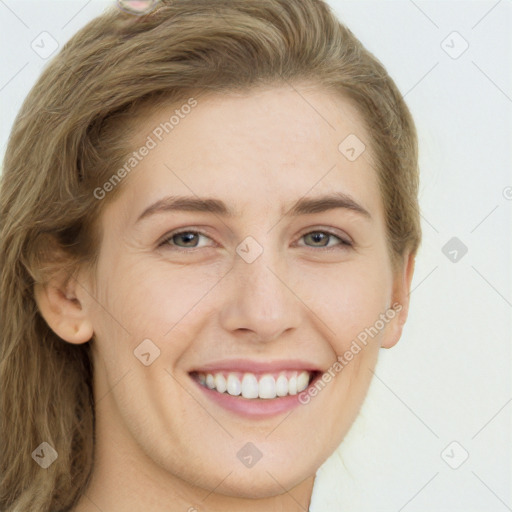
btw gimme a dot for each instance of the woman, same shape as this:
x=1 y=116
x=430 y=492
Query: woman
x=209 y=224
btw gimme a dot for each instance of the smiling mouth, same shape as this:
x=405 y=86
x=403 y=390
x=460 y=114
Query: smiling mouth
x=253 y=386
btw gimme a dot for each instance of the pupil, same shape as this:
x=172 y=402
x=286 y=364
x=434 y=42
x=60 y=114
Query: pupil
x=318 y=236
x=187 y=237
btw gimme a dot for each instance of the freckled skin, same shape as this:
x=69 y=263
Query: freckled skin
x=159 y=442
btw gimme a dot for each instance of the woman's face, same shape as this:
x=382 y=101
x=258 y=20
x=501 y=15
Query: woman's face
x=276 y=283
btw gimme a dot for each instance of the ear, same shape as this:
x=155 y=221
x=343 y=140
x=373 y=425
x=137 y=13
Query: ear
x=400 y=301
x=59 y=304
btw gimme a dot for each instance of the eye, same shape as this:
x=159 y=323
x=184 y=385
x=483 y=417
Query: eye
x=188 y=238
x=324 y=237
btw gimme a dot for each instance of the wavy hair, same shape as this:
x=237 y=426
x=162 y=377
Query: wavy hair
x=72 y=132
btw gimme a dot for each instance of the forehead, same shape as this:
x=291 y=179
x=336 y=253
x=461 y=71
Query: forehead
x=264 y=147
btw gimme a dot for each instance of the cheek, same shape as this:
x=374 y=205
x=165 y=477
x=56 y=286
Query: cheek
x=153 y=299
x=349 y=301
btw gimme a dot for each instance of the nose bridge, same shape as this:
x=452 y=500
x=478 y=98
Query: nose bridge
x=259 y=278
x=259 y=299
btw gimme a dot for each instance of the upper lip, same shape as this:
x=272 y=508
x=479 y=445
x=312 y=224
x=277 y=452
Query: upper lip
x=252 y=366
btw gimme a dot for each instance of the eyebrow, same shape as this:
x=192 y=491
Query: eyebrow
x=303 y=206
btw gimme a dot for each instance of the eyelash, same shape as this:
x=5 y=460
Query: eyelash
x=344 y=244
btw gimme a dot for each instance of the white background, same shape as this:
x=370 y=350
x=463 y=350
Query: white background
x=449 y=377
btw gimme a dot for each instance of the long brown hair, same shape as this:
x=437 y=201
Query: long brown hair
x=71 y=134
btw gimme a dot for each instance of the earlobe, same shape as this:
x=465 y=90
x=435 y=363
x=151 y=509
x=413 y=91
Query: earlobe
x=400 y=302
x=63 y=311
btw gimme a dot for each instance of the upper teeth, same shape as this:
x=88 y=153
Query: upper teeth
x=251 y=386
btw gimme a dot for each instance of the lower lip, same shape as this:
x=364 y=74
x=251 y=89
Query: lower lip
x=253 y=407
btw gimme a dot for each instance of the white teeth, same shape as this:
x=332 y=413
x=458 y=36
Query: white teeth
x=302 y=381
x=292 y=385
x=281 y=386
x=210 y=382
x=249 y=386
x=268 y=386
x=234 y=386
x=220 y=383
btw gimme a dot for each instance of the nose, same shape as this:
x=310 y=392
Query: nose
x=261 y=303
